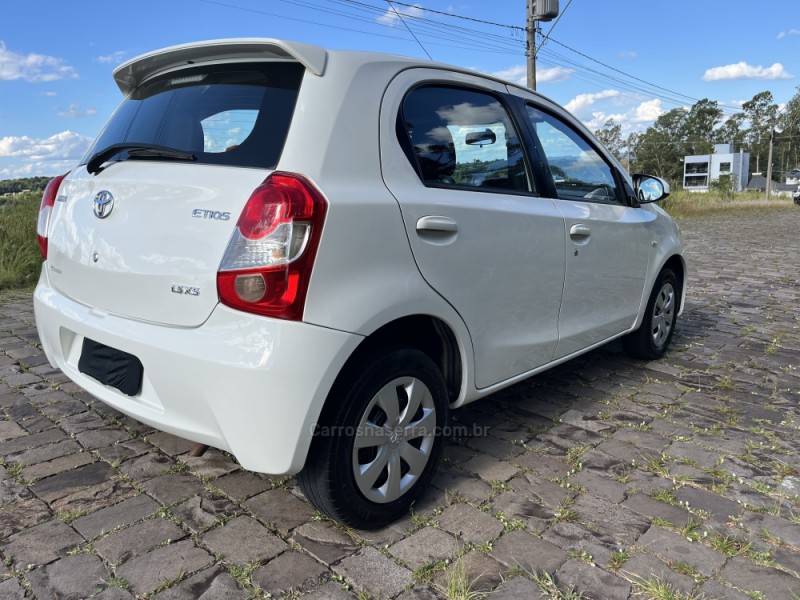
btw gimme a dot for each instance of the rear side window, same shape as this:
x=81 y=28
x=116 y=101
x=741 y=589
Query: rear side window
x=462 y=138
x=236 y=114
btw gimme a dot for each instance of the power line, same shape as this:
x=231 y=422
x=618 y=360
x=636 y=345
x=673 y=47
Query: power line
x=430 y=29
x=632 y=76
x=455 y=16
x=308 y=22
x=546 y=37
x=399 y=16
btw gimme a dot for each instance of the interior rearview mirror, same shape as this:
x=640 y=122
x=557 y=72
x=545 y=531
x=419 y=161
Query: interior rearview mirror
x=481 y=138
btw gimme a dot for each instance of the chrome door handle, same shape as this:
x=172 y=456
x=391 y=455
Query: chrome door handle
x=579 y=231
x=436 y=223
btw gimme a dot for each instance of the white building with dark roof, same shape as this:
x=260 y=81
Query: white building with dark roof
x=700 y=170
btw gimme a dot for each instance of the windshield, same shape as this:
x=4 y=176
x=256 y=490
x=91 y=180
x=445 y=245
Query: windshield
x=235 y=114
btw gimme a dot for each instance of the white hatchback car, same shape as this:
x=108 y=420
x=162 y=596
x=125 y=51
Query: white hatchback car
x=307 y=257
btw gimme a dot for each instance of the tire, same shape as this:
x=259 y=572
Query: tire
x=654 y=335
x=366 y=466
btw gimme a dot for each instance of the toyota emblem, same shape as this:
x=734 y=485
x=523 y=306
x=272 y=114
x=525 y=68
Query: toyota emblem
x=103 y=204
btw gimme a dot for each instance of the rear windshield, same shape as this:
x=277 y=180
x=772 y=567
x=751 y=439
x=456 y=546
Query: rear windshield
x=235 y=114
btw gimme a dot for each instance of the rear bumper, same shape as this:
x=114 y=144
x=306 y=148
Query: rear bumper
x=246 y=384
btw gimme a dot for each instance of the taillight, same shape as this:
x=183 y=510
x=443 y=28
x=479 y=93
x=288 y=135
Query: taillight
x=48 y=201
x=267 y=265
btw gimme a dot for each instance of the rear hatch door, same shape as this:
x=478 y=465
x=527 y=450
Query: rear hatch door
x=143 y=234
x=155 y=252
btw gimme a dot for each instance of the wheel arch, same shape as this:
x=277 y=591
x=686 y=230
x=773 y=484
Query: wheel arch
x=677 y=263
x=426 y=333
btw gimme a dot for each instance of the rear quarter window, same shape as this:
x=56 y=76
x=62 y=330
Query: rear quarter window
x=236 y=114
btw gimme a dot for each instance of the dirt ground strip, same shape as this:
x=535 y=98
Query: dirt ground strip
x=605 y=478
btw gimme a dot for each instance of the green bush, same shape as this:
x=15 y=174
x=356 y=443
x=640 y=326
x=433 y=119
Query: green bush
x=20 y=259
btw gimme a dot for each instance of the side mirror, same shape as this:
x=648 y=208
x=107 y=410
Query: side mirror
x=481 y=138
x=650 y=188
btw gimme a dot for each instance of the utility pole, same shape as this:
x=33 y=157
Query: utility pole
x=530 y=51
x=535 y=11
x=769 y=161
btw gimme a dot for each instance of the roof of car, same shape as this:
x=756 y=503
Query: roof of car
x=314 y=58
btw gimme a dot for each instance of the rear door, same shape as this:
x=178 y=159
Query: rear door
x=144 y=236
x=481 y=233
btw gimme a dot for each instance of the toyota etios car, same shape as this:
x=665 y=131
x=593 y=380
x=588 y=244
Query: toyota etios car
x=308 y=257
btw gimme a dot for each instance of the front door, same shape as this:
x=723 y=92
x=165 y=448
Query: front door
x=607 y=241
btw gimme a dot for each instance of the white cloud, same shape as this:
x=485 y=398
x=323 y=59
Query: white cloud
x=34 y=68
x=626 y=54
x=66 y=144
x=783 y=34
x=37 y=169
x=553 y=75
x=637 y=118
x=742 y=70
x=647 y=112
x=583 y=101
x=75 y=111
x=519 y=74
x=50 y=94
x=115 y=57
x=390 y=16
x=47 y=156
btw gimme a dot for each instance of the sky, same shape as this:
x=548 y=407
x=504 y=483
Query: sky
x=630 y=60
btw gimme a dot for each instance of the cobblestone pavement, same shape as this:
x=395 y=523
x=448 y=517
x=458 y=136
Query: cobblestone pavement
x=607 y=476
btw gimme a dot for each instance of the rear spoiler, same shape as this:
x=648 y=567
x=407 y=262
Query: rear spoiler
x=131 y=74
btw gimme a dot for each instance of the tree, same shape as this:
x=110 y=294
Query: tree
x=725 y=185
x=732 y=131
x=789 y=138
x=699 y=126
x=761 y=114
x=611 y=137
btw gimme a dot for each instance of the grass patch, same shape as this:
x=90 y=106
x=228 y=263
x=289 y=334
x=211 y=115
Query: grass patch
x=550 y=588
x=117 y=582
x=459 y=586
x=564 y=514
x=71 y=516
x=171 y=582
x=682 y=203
x=657 y=588
x=581 y=555
x=20 y=260
x=425 y=573
x=618 y=558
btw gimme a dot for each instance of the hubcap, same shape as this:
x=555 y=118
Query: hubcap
x=663 y=314
x=394 y=439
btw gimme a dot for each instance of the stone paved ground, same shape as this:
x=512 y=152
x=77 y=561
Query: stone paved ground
x=606 y=475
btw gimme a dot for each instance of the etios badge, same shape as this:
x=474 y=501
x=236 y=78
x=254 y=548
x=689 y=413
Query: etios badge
x=103 y=204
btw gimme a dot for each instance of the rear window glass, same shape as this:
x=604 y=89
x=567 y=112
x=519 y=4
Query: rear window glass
x=462 y=137
x=236 y=114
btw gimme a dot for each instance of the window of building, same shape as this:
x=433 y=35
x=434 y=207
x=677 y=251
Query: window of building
x=696 y=167
x=725 y=167
x=696 y=181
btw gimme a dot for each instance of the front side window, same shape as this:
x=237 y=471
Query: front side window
x=579 y=172
x=462 y=138
x=234 y=114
